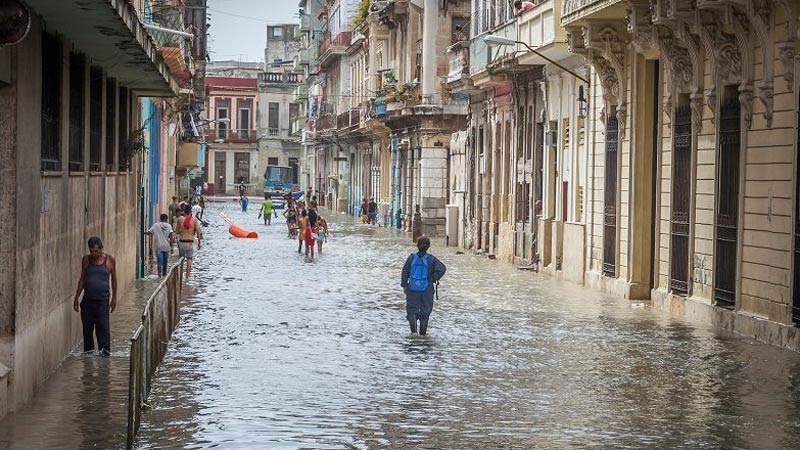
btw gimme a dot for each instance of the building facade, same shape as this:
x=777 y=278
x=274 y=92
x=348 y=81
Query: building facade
x=655 y=152
x=379 y=117
x=276 y=113
x=76 y=152
x=282 y=44
x=231 y=136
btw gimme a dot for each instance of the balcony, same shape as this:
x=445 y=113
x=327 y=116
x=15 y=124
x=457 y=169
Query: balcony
x=301 y=60
x=575 y=10
x=458 y=63
x=305 y=22
x=348 y=118
x=220 y=136
x=538 y=27
x=331 y=47
x=297 y=126
x=111 y=33
x=191 y=154
x=481 y=55
x=300 y=93
x=278 y=78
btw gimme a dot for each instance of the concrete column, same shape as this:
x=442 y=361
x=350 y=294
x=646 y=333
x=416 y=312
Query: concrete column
x=430 y=29
x=433 y=185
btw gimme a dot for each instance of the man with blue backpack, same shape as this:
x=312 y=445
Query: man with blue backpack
x=421 y=273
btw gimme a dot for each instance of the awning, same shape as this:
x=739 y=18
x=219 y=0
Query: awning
x=111 y=34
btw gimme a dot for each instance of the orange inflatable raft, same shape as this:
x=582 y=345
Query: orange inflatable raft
x=238 y=231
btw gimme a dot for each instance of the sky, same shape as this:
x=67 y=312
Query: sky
x=239 y=27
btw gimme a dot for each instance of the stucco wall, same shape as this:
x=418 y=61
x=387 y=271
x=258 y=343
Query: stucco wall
x=55 y=215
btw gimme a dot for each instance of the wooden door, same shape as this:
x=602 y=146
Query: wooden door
x=219 y=172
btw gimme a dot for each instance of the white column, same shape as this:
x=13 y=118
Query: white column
x=430 y=28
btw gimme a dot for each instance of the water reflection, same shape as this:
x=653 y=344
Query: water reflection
x=274 y=352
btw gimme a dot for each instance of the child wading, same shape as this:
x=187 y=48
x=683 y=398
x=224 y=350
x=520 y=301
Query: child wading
x=420 y=273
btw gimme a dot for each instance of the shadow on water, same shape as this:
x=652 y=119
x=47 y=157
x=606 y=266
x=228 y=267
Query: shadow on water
x=274 y=352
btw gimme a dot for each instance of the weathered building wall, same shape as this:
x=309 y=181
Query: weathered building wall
x=55 y=212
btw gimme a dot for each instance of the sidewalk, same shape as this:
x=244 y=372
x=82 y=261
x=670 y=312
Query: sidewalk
x=84 y=403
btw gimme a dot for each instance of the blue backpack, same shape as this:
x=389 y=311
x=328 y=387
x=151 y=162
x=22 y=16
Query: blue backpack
x=418 y=279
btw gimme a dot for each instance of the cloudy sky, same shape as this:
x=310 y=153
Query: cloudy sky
x=239 y=27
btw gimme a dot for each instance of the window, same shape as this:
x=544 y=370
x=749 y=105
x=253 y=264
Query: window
x=111 y=122
x=460 y=29
x=223 y=119
x=123 y=160
x=277 y=32
x=77 y=121
x=51 y=103
x=245 y=108
x=294 y=111
x=274 y=118
x=272 y=161
x=95 y=119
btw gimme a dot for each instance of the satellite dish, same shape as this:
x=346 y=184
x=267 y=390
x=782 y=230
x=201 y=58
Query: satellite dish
x=15 y=22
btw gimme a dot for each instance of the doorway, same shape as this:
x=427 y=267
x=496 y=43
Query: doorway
x=220 y=166
x=726 y=232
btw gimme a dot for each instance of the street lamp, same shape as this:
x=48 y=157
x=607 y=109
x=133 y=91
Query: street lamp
x=494 y=40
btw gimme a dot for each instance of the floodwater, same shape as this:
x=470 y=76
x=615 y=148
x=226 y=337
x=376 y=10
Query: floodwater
x=277 y=353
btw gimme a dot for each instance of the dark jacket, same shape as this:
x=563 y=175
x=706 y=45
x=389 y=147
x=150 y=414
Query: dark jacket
x=420 y=304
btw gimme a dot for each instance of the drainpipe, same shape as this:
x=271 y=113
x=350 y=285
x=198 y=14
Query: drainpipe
x=430 y=28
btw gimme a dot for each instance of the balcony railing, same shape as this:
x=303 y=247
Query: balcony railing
x=231 y=136
x=297 y=126
x=278 y=78
x=575 y=9
x=348 y=118
x=300 y=93
x=326 y=122
x=482 y=55
x=341 y=40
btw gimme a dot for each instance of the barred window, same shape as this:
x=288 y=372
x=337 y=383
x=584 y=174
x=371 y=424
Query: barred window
x=111 y=123
x=77 y=109
x=95 y=119
x=52 y=66
x=123 y=160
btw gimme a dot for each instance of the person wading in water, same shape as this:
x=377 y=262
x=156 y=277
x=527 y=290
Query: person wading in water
x=98 y=284
x=420 y=273
x=188 y=228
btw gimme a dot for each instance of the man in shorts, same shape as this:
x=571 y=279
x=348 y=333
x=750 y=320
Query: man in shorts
x=188 y=227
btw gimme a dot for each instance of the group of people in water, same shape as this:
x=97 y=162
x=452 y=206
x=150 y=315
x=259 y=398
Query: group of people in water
x=96 y=295
x=304 y=222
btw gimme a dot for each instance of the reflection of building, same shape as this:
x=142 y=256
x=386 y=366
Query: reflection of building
x=75 y=156
x=231 y=134
x=276 y=112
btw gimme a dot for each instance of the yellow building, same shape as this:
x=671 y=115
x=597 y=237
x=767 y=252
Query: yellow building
x=693 y=139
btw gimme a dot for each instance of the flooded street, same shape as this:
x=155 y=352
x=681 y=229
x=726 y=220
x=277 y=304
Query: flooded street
x=273 y=352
